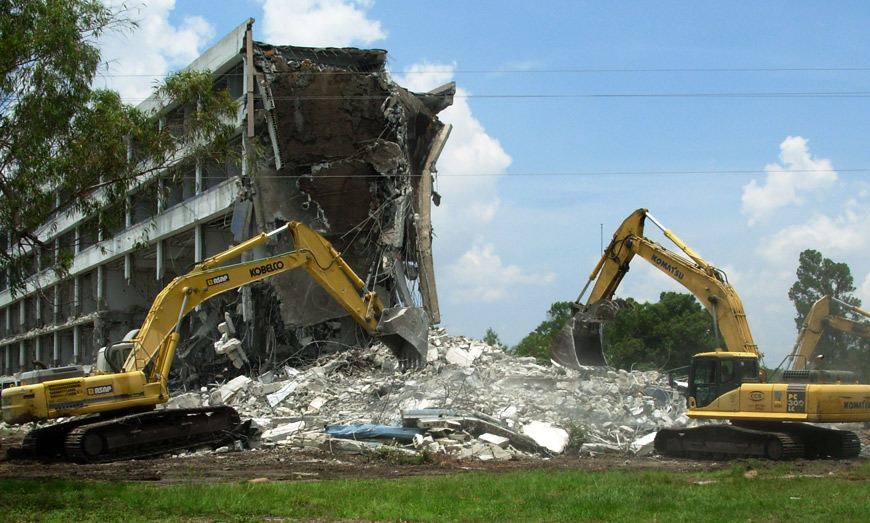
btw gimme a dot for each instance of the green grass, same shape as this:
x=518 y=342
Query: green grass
x=775 y=494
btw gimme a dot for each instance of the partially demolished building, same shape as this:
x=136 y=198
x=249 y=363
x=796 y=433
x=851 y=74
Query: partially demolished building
x=328 y=139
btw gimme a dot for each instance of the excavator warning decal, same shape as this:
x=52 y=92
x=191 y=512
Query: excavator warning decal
x=217 y=280
x=797 y=399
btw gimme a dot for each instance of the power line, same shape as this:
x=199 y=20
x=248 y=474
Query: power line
x=596 y=173
x=819 y=94
x=552 y=71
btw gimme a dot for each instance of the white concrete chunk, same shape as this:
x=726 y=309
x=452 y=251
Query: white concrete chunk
x=494 y=439
x=546 y=435
x=277 y=397
x=282 y=432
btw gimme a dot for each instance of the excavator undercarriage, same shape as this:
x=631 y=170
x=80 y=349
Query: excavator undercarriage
x=768 y=440
x=97 y=438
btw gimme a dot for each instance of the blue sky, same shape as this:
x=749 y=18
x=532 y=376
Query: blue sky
x=741 y=126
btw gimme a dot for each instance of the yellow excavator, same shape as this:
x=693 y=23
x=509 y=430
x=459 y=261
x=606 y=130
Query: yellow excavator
x=768 y=420
x=111 y=411
x=804 y=363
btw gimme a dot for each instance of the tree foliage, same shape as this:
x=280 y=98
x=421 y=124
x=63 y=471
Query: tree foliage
x=818 y=276
x=65 y=147
x=663 y=335
x=491 y=338
x=537 y=342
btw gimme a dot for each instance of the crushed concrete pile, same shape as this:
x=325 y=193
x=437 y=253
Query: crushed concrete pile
x=471 y=400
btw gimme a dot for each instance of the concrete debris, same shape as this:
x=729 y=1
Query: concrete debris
x=546 y=435
x=472 y=401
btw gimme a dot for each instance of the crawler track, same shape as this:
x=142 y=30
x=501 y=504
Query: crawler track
x=138 y=435
x=775 y=441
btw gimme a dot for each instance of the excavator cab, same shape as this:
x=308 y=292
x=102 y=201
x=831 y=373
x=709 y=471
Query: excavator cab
x=714 y=374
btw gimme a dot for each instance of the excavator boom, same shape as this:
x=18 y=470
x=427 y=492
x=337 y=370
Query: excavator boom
x=818 y=320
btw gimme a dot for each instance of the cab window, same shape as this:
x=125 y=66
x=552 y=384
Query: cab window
x=704 y=382
x=726 y=372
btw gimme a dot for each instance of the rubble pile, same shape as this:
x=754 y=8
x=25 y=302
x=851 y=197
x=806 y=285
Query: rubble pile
x=471 y=400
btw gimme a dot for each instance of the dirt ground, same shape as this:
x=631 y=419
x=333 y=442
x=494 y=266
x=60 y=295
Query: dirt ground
x=284 y=464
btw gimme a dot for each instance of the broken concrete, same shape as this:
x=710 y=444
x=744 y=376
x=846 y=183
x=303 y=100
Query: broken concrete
x=486 y=404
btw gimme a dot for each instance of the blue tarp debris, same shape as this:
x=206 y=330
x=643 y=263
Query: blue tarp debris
x=369 y=431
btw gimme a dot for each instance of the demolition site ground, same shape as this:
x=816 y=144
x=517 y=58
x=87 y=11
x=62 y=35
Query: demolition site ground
x=285 y=464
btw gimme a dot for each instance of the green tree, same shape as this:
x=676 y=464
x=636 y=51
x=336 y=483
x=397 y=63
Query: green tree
x=64 y=147
x=663 y=335
x=491 y=338
x=818 y=276
x=537 y=342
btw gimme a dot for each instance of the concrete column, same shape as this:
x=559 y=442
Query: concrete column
x=77 y=350
x=101 y=298
x=161 y=267
x=77 y=296
x=198 y=186
x=22 y=355
x=198 y=243
x=161 y=188
x=56 y=349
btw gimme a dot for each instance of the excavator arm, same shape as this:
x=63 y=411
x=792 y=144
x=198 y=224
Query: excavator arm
x=817 y=321
x=311 y=252
x=579 y=342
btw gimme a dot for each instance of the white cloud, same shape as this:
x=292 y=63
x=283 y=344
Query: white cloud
x=468 y=169
x=846 y=234
x=863 y=291
x=480 y=276
x=135 y=60
x=788 y=183
x=320 y=23
x=426 y=76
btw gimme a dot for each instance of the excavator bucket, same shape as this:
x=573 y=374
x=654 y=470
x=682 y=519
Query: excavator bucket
x=579 y=342
x=405 y=330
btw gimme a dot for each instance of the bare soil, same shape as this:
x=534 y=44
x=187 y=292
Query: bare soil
x=285 y=464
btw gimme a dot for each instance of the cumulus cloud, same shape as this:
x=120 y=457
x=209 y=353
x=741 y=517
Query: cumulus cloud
x=320 y=23
x=841 y=235
x=863 y=291
x=787 y=183
x=135 y=60
x=480 y=276
x=469 y=166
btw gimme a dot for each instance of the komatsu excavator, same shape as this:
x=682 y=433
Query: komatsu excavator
x=804 y=362
x=112 y=414
x=768 y=420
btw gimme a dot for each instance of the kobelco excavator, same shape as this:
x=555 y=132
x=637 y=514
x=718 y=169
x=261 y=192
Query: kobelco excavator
x=770 y=420
x=112 y=414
